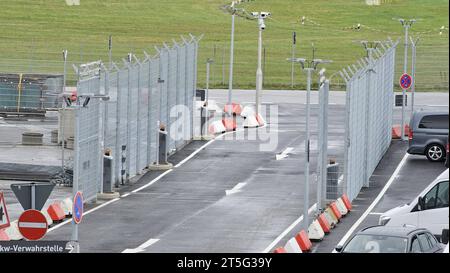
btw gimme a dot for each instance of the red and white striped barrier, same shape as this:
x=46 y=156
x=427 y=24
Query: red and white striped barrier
x=3 y=235
x=303 y=241
x=315 y=231
x=56 y=212
x=341 y=206
x=280 y=250
x=236 y=108
x=217 y=127
x=13 y=232
x=292 y=246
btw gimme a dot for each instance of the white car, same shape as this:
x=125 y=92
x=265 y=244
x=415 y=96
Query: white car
x=428 y=210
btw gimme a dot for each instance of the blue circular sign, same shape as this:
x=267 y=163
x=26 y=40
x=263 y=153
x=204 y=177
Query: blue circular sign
x=405 y=81
x=77 y=214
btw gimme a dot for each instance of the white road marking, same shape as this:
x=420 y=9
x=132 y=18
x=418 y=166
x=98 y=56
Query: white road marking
x=376 y=213
x=284 y=154
x=375 y=202
x=138 y=189
x=286 y=231
x=142 y=247
x=236 y=189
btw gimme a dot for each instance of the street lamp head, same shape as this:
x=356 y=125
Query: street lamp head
x=265 y=14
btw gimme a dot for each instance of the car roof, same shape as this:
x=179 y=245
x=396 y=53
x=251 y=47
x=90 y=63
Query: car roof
x=400 y=231
x=430 y=112
x=443 y=176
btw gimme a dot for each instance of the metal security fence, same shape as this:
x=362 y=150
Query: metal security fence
x=120 y=111
x=369 y=110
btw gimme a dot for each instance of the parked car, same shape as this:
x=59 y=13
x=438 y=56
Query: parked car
x=428 y=133
x=386 y=239
x=428 y=210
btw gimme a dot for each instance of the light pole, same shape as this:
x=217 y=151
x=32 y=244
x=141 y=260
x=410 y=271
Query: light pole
x=230 y=80
x=294 y=42
x=309 y=67
x=63 y=114
x=406 y=25
x=206 y=111
x=261 y=16
x=413 y=71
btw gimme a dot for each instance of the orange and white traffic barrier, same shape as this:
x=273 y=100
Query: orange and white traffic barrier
x=397 y=131
x=236 y=108
x=47 y=217
x=315 y=231
x=324 y=223
x=347 y=202
x=229 y=124
x=247 y=111
x=341 y=206
x=280 y=250
x=217 y=127
x=292 y=246
x=56 y=212
x=303 y=241
x=331 y=218
x=67 y=206
x=251 y=122
x=335 y=210
x=260 y=120
x=13 y=232
x=3 y=235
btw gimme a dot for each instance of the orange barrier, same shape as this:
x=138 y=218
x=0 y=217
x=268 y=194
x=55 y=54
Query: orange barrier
x=260 y=120
x=347 y=202
x=280 y=250
x=335 y=210
x=236 y=108
x=56 y=212
x=217 y=127
x=303 y=241
x=3 y=235
x=324 y=223
x=229 y=124
x=397 y=131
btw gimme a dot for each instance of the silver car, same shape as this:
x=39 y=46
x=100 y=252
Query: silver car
x=428 y=133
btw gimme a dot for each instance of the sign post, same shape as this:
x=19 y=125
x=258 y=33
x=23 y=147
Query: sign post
x=4 y=218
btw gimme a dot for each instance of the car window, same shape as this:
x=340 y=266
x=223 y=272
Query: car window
x=431 y=240
x=442 y=195
x=434 y=122
x=430 y=198
x=425 y=244
x=415 y=245
x=364 y=243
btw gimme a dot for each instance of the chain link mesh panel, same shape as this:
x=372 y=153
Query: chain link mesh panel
x=369 y=108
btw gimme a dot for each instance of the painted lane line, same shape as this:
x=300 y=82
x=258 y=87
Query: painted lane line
x=148 y=184
x=152 y=182
x=286 y=231
x=125 y=195
x=375 y=202
x=376 y=213
x=142 y=247
x=236 y=189
x=285 y=153
x=86 y=213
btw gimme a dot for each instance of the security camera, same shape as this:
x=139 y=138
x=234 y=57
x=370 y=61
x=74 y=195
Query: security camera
x=255 y=14
x=265 y=14
x=262 y=26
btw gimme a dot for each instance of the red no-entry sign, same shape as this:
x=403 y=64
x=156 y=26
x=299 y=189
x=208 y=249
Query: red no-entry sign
x=32 y=225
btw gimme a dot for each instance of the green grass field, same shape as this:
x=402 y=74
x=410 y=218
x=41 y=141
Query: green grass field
x=34 y=32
